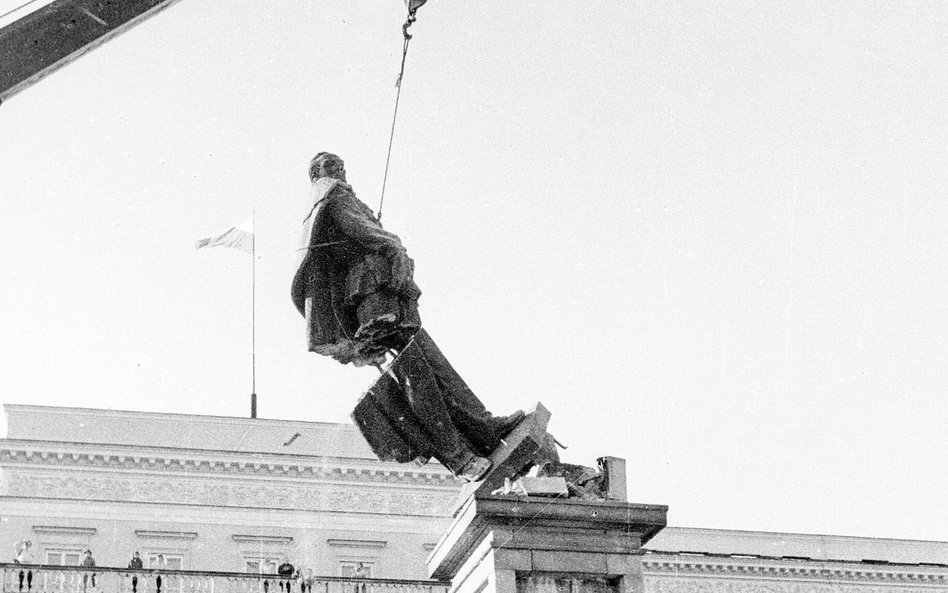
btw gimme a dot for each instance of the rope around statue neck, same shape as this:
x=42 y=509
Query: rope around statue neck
x=412 y=9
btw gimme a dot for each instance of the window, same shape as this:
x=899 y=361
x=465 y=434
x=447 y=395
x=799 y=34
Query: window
x=165 y=561
x=261 y=565
x=171 y=561
x=63 y=556
x=351 y=569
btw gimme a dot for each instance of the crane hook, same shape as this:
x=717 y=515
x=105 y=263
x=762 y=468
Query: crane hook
x=413 y=6
x=408 y=23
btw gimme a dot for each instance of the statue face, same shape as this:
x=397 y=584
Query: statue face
x=331 y=166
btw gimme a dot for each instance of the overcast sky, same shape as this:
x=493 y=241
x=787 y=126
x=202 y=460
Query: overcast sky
x=709 y=236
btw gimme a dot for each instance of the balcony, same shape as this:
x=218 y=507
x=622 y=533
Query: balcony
x=36 y=578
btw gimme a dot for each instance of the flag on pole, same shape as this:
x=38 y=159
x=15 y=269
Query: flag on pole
x=239 y=237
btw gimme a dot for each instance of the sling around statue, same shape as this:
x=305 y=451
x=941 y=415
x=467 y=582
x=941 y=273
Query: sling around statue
x=355 y=287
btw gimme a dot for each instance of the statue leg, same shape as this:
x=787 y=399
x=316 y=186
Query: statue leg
x=386 y=420
x=430 y=407
x=467 y=412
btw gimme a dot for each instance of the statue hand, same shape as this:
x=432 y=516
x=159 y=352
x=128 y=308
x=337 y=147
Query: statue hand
x=402 y=268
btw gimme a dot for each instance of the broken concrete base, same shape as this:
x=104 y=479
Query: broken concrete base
x=606 y=483
x=518 y=452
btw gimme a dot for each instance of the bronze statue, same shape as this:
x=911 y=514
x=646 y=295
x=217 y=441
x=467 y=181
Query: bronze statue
x=354 y=285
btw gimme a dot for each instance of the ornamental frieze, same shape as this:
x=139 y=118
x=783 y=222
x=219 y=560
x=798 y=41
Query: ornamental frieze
x=217 y=467
x=663 y=584
x=838 y=573
x=175 y=490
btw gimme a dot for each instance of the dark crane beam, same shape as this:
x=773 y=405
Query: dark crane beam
x=60 y=32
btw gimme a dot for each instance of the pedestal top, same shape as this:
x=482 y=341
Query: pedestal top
x=544 y=523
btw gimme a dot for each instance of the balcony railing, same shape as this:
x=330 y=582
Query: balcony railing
x=35 y=578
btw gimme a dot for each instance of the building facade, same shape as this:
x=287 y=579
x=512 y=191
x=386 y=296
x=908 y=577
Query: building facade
x=237 y=495
x=213 y=493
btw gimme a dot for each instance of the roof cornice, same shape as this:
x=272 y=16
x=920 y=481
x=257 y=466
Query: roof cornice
x=682 y=565
x=197 y=462
x=103 y=412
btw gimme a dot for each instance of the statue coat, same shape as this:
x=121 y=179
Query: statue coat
x=348 y=260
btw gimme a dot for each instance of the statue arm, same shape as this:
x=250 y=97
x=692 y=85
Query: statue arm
x=354 y=223
x=359 y=227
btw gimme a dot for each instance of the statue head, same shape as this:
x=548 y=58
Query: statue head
x=326 y=164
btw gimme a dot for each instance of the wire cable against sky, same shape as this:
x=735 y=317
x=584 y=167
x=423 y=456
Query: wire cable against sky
x=412 y=9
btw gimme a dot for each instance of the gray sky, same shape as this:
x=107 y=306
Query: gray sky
x=709 y=236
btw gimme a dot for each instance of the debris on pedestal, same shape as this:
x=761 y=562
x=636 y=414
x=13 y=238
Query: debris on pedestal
x=528 y=464
x=582 y=482
x=568 y=480
x=535 y=486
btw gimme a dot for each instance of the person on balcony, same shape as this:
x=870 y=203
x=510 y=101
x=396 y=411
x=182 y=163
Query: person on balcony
x=361 y=573
x=135 y=564
x=306 y=579
x=87 y=562
x=24 y=552
x=286 y=572
x=24 y=555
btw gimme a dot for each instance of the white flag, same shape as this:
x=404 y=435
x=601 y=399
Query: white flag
x=238 y=237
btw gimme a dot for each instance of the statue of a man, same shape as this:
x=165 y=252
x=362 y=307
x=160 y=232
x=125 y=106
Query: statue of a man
x=354 y=285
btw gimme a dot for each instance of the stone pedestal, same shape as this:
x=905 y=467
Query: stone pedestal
x=514 y=544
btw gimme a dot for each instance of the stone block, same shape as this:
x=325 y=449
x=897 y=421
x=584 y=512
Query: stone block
x=623 y=564
x=553 y=561
x=613 y=472
x=505 y=581
x=543 y=486
x=567 y=539
x=513 y=559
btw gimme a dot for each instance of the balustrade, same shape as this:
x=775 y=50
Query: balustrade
x=35 y=578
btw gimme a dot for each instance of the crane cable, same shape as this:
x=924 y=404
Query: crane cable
x=412 y=9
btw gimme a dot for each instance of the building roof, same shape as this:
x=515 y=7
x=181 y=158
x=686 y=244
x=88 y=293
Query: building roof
x=798 y=546
x=184 y=431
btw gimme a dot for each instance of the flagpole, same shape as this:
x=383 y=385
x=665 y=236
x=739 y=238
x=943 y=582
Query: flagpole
x=253 y=317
